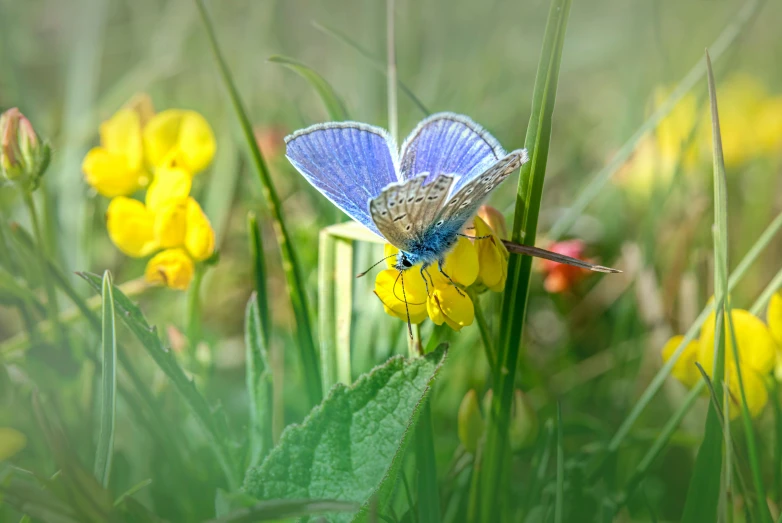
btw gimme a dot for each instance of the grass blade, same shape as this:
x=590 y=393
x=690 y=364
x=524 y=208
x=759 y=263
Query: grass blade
x=599 y=179
x=259 y=270
x=214 y=426
x=259 y=384
x=560 y=493
x=108 y=398
x=290 y=262
x=704 y=491
x=333 y=104
x=428 y=492
x=519 y=269
x=376 y=62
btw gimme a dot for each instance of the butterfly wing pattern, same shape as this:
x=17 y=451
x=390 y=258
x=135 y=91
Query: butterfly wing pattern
x=349 y=162
x=403 y=211
x=448 y=143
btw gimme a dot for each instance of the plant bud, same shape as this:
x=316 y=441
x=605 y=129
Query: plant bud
x=23 y=157
x=524 y=423
x=470 y=422
x=495 y=220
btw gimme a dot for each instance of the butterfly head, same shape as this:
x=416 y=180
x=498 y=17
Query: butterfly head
x=405 y=260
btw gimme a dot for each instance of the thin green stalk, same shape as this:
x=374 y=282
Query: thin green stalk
x=108 y=401
x=525 y=224
x=486 y=337
x=559 y=512
x=428 y=492
x=290 y=263
x=393 y=121
x=51 y=296
x=259 y=272
x=194 y=307
x=599 y=179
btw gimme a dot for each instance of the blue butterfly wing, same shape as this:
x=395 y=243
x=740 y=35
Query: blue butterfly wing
x=349 y=162
x=452 y=144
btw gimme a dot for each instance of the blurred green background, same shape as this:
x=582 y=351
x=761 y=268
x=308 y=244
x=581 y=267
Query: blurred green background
x=70 y=65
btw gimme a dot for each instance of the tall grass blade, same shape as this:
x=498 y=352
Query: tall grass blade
x=331 y=101
x=259 y=384
x=525 y=224
x=290 y=262
x=259 y=272
x=704 y=491
x=599 y=179
x=393 y=120
x=377 y=63
x=108 y=397
x=559 y=510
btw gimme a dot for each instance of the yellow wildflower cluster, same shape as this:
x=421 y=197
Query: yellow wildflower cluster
x=160 y=152
x=760 y=352
x=478 y=263
x=750 y=123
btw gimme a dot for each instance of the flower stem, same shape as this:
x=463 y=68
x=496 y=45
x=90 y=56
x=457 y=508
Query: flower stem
x=483 y=328
x=40 y=246
x=194 y=307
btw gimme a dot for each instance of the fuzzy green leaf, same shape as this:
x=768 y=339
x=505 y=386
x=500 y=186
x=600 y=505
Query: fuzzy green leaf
x=350 y=444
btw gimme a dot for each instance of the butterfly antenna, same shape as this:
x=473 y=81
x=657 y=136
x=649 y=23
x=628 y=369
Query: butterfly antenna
x=374 y=265
x=407 y=308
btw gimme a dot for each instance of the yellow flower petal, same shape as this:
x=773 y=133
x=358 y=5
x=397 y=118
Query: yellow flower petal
x=684 y=369
x=172 y=268
x=461 y=264
x=388 y=287
x=180 y=139
x=110 y=174
x=199 y=235
x=169 y=184
x=11 y=442
x=492 y=257
x=131 y=226
x=171 y=224
x=754 y=390
x=389 y=252
x=774 y=317
x=757 y=348
x=768 y=126
x=121 y=135
x=447 y=305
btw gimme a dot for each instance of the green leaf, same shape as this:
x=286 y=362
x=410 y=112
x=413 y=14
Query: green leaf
x=108 y=398
x=525 y=224
x=334 y=106
x=351 y=447
x=259 y=384
x=290 y=262
x=214 y=426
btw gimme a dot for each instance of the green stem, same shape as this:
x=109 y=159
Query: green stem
x=290 y=263
x=51 y=296
x=194 y=308
x=428 y=492
x=483 y=328
x=525 y=223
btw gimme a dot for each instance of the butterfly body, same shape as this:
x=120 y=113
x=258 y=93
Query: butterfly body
x=431 y=248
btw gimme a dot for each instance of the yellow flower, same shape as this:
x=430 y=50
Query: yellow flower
x=768 y=126
x=199 y=235
x=774 y=320
x=173 y=268
x=178 y=138
x=492 y=257
x=447 y=304
x=131 y=226
x=757 y=352
x=461 y=264
x=389 y=289
x=116 y=167
x=11 y=442
x=170 y=184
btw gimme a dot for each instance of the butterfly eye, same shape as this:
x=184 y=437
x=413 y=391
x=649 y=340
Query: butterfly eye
x=406 y=263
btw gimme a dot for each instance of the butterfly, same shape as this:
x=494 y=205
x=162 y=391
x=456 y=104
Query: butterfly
x=418 y=198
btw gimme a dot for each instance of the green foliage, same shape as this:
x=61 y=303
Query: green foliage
x=334 y=106
x=351 y=447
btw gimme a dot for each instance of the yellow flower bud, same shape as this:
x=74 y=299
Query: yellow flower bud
x=523 y=430
x=199 y=235
x=178 y=138
x=23 y=157
x=389 y=288
x=446 y=304
x=495 y=220
x=116 y=167
x=470 y=422
x=172 y=267
x=11 y=442
x=131 y=226
x=492 y=257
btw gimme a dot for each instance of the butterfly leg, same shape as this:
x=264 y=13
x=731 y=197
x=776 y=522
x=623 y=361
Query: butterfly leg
x=475 y=237
x=440 y=266
x=424 y=274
